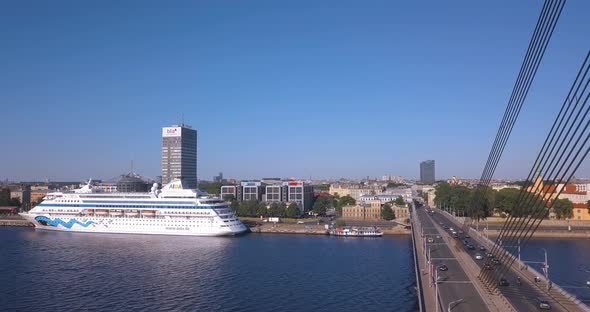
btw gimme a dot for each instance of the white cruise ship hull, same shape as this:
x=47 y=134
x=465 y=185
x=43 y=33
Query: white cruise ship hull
x=173 y=210
x=131 y=226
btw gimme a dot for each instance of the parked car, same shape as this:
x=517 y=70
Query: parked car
x=543 y=304
x=503 y=282
x=490 y=255
x=443 y=267
x=478 y=257
x=488 y=267
x=437 y=236
x=465 y=242
x=470 y=247
x=300 y=222
x=460 y=232
x=430 y=240
x=455 y=235
x=495 y=261
x=445 y=227
x=482 y=248
x=467 y=236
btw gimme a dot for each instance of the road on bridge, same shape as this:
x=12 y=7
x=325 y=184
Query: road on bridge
x=522 y=297
x=454 y=285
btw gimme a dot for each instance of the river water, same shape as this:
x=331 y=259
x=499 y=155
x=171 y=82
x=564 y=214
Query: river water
x=569 y=263
x=256 y=272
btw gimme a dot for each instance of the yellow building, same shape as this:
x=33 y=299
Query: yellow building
x=580 y=212
x=37 y=196
x=363 y=212
x=578 y=195
x=401 y=212
x=353 y=190
x=547 y=191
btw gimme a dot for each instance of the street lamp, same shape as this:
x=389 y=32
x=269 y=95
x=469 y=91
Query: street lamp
x=546 y=270
x=454 y=304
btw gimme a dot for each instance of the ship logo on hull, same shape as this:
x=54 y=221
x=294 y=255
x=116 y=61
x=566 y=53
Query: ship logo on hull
x=56 y=222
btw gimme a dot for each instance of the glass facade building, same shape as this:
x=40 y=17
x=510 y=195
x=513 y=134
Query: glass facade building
x=427 y=172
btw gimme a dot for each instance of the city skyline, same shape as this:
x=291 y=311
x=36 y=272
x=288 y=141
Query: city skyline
x=334 y=81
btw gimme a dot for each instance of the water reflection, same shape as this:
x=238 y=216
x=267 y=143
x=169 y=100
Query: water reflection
x=174 y=273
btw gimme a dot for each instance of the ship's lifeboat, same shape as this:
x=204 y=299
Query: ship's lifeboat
x=101 y=212
x=131 y=213
x=148 y=213
x=88 y=211
x=116 y=212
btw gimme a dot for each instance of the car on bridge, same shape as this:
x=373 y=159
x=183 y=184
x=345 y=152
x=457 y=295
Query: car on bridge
x=478 y=257
x=470 y=247
x=542 y=304
x=430 y=240
x=503 y=282
x=482 y=248
x=443 y=267
x=488 y=267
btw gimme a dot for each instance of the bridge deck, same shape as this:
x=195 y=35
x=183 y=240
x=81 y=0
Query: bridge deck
x=522 y=297
x=455 y=286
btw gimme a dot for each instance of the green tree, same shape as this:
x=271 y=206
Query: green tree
x=292 y=211
x=322 y=203
x=248 y=208
x=399 y=201
x=387 y=213
x=394 y=184
x=262 y=210
x=4 y=197
x=281 y=210
x=338 y=203
x=211 y=187
x=588 y=206
x=506 y=200
x=346 y=200
x=229 y=197
x=277 y=210
x=235 y=205
x=563 y=208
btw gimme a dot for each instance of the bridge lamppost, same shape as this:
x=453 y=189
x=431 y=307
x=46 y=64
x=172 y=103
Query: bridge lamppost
x=546 y=270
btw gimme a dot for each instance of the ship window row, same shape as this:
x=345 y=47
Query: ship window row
x=188 y=212
x=127 y=206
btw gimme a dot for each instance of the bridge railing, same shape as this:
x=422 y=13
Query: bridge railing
x=413 y=220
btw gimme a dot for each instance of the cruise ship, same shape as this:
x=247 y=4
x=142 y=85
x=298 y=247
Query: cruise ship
x=173 y=210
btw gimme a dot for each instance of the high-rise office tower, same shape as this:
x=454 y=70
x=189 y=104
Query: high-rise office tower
x=427 y=171
x=179 y=154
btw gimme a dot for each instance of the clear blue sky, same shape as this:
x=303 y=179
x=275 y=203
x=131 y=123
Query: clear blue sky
x=289 y=89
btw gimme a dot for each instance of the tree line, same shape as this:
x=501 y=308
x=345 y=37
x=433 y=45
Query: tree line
x=482 y=203
x=254 y=208
x=5 y=199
